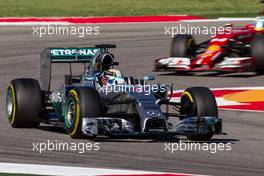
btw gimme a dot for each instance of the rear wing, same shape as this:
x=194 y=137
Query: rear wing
x=72 y=55
x=63 y=55
x=66 y=55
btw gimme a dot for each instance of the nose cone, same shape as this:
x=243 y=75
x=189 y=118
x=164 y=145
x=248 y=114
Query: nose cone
x=208 y=57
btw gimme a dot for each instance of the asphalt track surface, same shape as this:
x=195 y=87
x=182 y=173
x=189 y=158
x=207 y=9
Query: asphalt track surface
x=138 y=45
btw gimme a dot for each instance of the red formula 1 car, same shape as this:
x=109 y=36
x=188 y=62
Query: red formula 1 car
x=237 y=50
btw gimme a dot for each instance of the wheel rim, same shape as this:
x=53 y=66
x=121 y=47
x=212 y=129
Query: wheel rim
x=70 y=113
x=10 y=104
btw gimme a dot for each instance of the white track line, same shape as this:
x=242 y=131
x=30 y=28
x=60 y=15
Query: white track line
x=236 y=19
x=68 y=171
x=220 y=20
x=230 y=109
x=34 y=23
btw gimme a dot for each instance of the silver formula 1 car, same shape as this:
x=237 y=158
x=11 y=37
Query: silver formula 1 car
x=101 y=101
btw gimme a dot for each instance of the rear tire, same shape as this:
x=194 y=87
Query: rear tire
x=257 y=51
x=81 y=102
x=199 y=102
x=183 y=45
x=23 y=103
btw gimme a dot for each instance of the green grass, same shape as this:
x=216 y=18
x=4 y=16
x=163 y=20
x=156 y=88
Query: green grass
x=206 y=8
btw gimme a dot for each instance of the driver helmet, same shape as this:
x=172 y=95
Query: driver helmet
x=103 y=62
x=259 y=24
x=112 y=77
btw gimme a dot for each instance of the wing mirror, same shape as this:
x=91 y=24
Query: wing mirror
x=228 y=25
x=115 y=63
x=149 y=78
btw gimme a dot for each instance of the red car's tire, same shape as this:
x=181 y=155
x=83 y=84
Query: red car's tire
x=183 y=45
x=257 y=51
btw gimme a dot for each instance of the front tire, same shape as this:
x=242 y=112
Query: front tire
x=81 y=102
x=23 y=103
x=198 y=102
x=183 y=45
x=257 y=51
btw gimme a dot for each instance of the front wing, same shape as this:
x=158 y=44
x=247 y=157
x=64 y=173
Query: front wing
x=109 y=126
x=228 y=65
